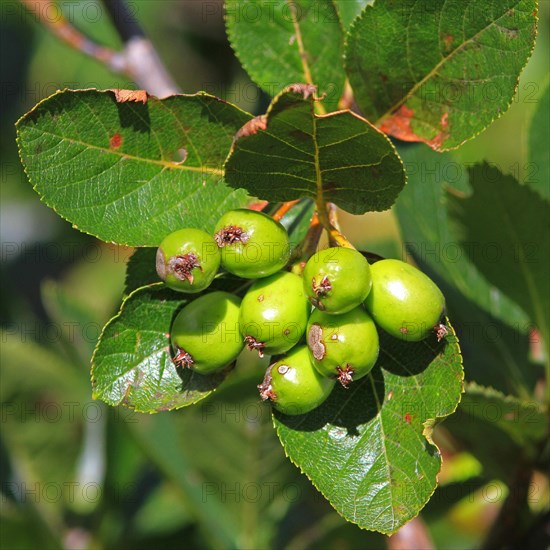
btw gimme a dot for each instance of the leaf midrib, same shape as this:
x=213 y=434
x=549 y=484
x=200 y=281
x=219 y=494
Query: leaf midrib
x=163 y=163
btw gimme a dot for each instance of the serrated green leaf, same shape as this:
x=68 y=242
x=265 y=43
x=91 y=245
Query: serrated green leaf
x=348 y=10
x=236 y=424
x=132 y=364
x=493 y=424
x=280 y=42
x=525 y=422
x=494 y=353
x=368 y=449
x=439 y=72
x=130 y=172
x=158 y=437
x=141 y=269
x=428 y=237
x=539 y=145
x=294 y=153
x=515 y=235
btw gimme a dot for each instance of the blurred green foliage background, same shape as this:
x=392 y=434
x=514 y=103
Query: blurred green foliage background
x=77 y=474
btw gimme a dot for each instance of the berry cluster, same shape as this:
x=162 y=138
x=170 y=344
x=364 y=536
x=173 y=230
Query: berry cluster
x=323 y=323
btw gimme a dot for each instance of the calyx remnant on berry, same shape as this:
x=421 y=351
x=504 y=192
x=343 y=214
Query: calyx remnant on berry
x=205 y=334
x=322 y=288
x=182 y=266
x=252 y=344
x=252 y=244
x=230 y=235
x=188 y=260
x=337 y=279
x=183 y=359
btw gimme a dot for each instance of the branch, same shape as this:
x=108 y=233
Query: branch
x=138 y=60
x=143 y=63
x=507 y=528
x=61 y=28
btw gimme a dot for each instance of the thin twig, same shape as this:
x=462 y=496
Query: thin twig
x=138 y=60
x=61 y=28
x=143 y=62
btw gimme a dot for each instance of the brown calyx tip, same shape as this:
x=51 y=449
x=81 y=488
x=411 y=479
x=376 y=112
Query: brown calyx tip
x=183 y=265
x=183 y=359
x=323 y=288
x=314 y=342
x=441 y=331
x=253 y=344
x=306 y=90
x=265 y=388
x=230 y=235
x=345 y=375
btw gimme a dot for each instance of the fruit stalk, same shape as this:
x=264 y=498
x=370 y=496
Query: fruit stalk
x=283 y=209
x=336 y=237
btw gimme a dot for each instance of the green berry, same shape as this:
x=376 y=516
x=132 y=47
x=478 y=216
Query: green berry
x=405 y=302
x=252 y=244
x=205 y=333
x=188 y=260
x=343 y=346
x=274 y=313
x=294 y=385
x=337 y=279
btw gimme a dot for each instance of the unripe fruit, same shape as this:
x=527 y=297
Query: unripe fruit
x=188 y=260
x=252 y=244
x=405 y=302
x=337 y=279
x=205 y=333
x=293 y=384
x=274 y=313
x=343 y=346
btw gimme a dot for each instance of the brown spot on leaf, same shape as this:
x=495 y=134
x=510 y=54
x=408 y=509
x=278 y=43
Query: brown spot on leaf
x=116 y=141
x=399 y=125
x=122 y=96
x=252 y=127
x=407 y=418
x=448 y=41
